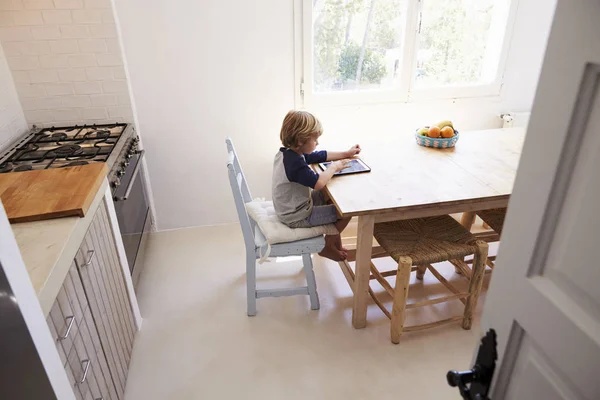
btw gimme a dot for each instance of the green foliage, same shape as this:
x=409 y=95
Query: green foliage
x=452 y=42
x=453 y=33
x=329 y=34
x=384 y=32
x=373 y=69
x=335 y=56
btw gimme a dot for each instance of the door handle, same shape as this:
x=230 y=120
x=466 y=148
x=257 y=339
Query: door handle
x=85 y=370
x=91 y=254
x=71 y=321
x=475 y=383
x=133 y=175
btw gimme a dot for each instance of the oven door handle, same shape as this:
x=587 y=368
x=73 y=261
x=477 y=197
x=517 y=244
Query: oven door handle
x=133 y=175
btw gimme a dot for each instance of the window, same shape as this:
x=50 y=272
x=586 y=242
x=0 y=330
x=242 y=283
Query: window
x=361 y=51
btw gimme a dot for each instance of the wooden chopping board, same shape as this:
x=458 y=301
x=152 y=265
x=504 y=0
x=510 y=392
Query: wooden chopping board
x=51 y=193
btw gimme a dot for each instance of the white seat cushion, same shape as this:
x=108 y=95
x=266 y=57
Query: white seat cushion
x=273 y=231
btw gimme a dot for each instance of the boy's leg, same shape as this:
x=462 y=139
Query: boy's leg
x=340 y=226
x=322 y=215
x=327 y=214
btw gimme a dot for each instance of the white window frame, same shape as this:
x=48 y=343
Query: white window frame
x=405 y=91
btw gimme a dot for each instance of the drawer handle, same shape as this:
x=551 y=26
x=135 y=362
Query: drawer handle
x=91 y=254
x=85 y=370
x=71 y=320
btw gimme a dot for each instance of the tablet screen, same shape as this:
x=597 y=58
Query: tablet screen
x=355 y=166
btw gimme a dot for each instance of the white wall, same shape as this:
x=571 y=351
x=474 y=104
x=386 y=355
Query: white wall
x=66 y=62
x=201 y=71
x=12 y=120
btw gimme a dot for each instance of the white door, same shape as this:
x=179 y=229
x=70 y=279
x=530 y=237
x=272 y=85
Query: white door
x=19 y=305
x=544 y=299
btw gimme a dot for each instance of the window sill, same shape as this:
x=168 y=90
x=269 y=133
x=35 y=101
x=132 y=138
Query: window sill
x=444 y=95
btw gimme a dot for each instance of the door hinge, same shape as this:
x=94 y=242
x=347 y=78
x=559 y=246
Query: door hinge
x=302 y=87
x=479 y=378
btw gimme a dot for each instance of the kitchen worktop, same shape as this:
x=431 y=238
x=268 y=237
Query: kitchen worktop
x=49 y=247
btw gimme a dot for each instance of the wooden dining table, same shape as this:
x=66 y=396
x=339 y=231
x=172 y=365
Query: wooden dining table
x=410 y=181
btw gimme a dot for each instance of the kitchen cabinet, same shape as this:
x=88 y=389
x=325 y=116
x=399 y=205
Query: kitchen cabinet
x=92 y=320
x=77 y=341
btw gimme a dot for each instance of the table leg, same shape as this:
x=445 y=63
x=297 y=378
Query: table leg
x=467 y=220
x=364 y=244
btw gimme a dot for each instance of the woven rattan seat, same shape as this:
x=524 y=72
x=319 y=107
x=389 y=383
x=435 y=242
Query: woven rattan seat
x=494 y=218
x=425 y=240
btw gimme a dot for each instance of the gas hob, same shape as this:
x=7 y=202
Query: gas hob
x=63 y=147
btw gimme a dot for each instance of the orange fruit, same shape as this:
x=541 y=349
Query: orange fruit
x=447 y=132
x=434 y=132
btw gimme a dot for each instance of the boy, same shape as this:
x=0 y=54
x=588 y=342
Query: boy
x=296 y=203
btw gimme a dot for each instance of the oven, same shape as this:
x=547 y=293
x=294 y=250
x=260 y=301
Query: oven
x=132 y=208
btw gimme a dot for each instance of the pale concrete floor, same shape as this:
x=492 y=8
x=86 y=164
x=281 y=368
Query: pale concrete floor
x=196 y=341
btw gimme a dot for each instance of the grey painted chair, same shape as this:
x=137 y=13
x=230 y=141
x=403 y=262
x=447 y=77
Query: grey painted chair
x=304 y=248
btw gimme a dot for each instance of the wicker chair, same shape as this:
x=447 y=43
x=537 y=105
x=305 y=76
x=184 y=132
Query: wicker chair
x=494 y=218
x=422 y=242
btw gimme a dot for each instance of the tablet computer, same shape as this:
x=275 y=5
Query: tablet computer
x=355 y=166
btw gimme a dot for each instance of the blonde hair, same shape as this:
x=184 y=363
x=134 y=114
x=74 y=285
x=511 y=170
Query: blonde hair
x=299 y=126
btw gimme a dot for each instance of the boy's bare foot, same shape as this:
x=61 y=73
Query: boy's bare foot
x=333 y=254
x=343 y=252
x=338 y=244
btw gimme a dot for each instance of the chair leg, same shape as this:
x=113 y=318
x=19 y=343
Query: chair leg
x=251 y=283
x=467 y=220
x=400 y=296
x=421 y=271
x=311 y=282
x=476 y=282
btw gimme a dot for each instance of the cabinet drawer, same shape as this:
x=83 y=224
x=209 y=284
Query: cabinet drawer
x=65 y=322
x=75 y=293
x=72 y=381
x=80 y=362
x=59 y=348
x=102 y=318
x=100 y=380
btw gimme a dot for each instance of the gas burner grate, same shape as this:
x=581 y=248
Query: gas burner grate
x=58 y=147
x=67 y=150
x=59 y=136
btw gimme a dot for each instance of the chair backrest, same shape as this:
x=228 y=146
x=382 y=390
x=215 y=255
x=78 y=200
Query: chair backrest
x=241 y=195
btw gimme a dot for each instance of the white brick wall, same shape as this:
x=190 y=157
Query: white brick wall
x=12 y=120
x=65 y=61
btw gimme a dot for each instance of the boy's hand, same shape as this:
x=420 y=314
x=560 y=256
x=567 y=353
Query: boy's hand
x=334 y=167
x=340 y=165
x=354 y=150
